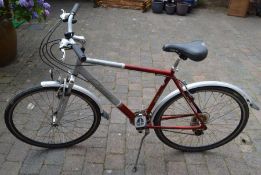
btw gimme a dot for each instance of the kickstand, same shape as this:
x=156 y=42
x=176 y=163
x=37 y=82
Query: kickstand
x=147 y=131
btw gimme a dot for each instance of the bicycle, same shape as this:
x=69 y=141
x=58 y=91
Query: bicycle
x=195 y=117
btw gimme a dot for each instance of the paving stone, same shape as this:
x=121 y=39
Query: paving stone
x=173 y=155
x=129 y=170
x=153 y=150
x=35 y=157
x=18 y=151
x=133 y=93
x=135 y=103
x=152 y=138
x=131 y=155
x=2 y=159
x=154 y=166
x=116 y=143
x=55 y=157
x=194 y=158
x=7 y=137
x=117 y=128
x=253 y=159
x=177 y=168
x=71 y=173
x=5 y=80
x=254 y=171
x=114 y=172
x=10 y=168
x=134 y=87
x=79 y=149
x=216 y=165
x=148 y=93
x=117 y=116
x=230 y=150
x=122 y=81
x=237 y=167
x=257 y=145
x=31 y=169
x=51 y=170
x=133 y=142
x=114 y=162
x=200 y=169
x=96 y=142
x=95 y=155
x=92 y=169
x=5 y=148
x=102 y=131
x=122 y=89
x=73 y=163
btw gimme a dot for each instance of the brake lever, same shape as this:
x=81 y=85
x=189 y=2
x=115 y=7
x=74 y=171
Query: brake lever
x=63 y=57
x=80 y=39
x=64 y=15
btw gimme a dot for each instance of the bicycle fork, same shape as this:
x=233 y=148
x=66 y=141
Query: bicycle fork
x=63 y=101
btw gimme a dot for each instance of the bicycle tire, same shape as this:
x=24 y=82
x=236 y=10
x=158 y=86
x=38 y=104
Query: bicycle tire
x=69 y=131
x=218 y=93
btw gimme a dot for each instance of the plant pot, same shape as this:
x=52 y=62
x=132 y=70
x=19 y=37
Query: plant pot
x=157 y=6
x=8 y=42
x=170 y=8
x=189 y=7
x=191 y=2
x=182 y=9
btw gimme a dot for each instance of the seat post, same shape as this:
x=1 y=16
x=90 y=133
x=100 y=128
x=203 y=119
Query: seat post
x=176 y=64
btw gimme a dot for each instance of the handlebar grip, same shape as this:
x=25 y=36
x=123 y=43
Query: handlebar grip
x=75 y=8
x=79 y=53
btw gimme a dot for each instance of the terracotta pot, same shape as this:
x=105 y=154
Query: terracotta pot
x=8 y=42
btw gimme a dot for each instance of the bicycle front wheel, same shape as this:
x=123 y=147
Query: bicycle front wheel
x=224 y=112
x=29 y=117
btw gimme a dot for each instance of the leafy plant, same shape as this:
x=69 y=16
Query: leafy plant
x=24 y=10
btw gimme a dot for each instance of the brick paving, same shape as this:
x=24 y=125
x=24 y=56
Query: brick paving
x=133 y=37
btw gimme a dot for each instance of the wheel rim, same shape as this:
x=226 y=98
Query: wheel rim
x=222 y=115
x=32 y=117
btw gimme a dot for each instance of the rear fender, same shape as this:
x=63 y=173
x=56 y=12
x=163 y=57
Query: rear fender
x=248 y=99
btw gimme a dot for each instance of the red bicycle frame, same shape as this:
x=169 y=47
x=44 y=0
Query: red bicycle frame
x=170 y=75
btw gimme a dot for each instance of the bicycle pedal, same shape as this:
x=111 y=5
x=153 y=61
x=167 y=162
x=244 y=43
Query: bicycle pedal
x=140 y=122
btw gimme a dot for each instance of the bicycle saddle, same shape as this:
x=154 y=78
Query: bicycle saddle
x=195 y=50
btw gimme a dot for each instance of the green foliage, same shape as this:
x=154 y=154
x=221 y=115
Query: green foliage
x=24 y=10
x=201 y=3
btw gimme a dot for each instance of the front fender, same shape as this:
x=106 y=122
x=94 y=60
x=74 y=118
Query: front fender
x=77 y=88
x=248 y=99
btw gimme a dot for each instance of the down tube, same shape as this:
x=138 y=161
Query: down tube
x=113 y=99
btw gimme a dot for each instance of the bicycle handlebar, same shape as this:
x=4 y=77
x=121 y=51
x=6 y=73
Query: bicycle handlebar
x=75 y=8
x=79 y=52
x=69 y=41
x=70 y=19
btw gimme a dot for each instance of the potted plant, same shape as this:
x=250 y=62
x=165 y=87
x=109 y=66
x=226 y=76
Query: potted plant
x=170 y=7
x=182 y=8
x=12 y=14
x=157 y=6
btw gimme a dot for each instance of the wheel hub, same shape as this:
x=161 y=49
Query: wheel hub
x=54 y=121
x=204 y=117
x=194 y=122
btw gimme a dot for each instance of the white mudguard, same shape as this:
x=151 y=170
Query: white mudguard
x=206 y=84
x=77 y=88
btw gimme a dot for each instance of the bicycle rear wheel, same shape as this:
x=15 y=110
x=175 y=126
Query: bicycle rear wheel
x=30 y=114
x=224 y=112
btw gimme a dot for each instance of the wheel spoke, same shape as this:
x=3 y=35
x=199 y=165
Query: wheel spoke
x=222 y=112
x=34 y=122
